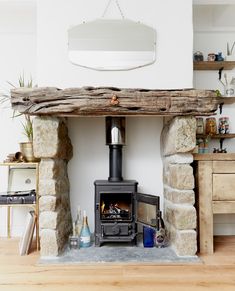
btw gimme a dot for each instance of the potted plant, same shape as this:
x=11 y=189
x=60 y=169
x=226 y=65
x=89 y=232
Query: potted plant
x=26 y=148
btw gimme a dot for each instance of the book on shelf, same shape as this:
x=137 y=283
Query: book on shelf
x=26 y=239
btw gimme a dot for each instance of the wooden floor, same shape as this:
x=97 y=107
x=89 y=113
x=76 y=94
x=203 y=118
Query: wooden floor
x=215 y=272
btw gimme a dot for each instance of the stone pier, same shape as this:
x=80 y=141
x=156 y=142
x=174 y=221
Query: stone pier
x=178 y=141
x=53 y=146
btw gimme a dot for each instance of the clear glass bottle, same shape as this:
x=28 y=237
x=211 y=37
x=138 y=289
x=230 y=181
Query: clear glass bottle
x=85 y=234
x=78 y=222
x=160 y=233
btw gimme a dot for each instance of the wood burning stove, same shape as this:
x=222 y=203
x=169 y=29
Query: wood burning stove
x=118 y=206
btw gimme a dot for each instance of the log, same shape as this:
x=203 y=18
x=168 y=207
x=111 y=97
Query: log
x=104 y=101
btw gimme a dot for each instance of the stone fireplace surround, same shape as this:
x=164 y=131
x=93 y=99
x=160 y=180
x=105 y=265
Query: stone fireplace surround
x=53 y=146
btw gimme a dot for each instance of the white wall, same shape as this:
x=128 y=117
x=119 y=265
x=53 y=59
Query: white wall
x=17 y=55
x=213 y=29
x=172 y=69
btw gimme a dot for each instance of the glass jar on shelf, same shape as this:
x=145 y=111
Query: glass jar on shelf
x=223 y=126
x=200 y=125
x=211 y=127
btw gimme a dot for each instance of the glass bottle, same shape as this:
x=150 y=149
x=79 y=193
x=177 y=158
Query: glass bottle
x=78 y=222
x=85 y=234
x=160 y=234
x=148 y=237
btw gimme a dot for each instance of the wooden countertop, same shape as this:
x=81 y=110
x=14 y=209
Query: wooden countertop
x=214 y=157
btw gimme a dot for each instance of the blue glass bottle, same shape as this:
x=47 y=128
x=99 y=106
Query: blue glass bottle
x=85 y=234
x=148 y=237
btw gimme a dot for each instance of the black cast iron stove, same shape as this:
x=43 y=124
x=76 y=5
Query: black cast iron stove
x=117 y=203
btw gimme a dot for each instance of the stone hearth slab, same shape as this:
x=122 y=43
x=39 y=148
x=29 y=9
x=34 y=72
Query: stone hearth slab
x=119 y=254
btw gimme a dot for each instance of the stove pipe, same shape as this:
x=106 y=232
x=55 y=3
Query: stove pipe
x=115 y=139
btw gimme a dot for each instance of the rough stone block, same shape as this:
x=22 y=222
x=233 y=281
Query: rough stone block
x=181 y=176
x=185 y=243
x=181 y=217
x=52 y=168
x=179 y=196
x=52 y=220
x=49 y=243
x=53 y=186
x=48 y=220
x=51 y=138
x=48 y=203
x=179 y=136
x=186 y=158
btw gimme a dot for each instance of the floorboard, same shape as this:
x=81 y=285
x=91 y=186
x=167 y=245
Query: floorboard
x=216 y=272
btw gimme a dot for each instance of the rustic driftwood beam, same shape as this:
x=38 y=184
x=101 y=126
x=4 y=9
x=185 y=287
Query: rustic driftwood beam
x=103 y=101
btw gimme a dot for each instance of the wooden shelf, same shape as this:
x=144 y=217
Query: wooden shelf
x=227 y=100
x=214 y=157
x=203 y=66
x=216 y=136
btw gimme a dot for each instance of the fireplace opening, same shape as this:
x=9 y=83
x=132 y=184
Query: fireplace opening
x=118 y=205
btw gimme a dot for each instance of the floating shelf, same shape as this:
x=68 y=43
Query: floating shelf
x=203 y=66
x=227 y=100
x=221 y=137
x=216 y=136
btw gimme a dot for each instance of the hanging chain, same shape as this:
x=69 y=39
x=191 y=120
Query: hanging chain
x=118 y=6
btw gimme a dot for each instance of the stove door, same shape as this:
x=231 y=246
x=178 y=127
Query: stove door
x=147 y=209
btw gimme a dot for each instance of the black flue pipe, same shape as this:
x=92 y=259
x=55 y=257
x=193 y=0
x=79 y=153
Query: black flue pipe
x=115 y=163
x=115 y=139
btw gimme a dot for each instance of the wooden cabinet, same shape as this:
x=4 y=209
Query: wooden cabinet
x=215 y=193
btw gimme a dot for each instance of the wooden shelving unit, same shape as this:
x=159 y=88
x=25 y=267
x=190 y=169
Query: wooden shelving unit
x=33 y=206
x=205 y=65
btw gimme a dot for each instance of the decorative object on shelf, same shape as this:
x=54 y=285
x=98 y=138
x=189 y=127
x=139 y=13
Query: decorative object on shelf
x=200 y=125
x=198 y=56
x=15 y=158
x=211 y=57
x=219 y=57
x=219 y=151
x=206 y=145
x=200 y=143
x=229 y=90
x=85 y=234
x=211 y=127
x=223 y=126
x=230 y=56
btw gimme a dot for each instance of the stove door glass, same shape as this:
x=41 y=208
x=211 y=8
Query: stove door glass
x=147 y=208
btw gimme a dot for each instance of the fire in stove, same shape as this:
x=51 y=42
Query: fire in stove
x=118 y=206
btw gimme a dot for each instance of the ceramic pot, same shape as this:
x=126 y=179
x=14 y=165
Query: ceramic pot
x=26 y=148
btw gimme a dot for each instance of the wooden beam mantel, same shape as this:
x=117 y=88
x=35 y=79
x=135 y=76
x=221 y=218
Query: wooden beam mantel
x=103 y=101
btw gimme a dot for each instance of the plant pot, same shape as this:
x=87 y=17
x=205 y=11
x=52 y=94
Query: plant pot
x=26 y=149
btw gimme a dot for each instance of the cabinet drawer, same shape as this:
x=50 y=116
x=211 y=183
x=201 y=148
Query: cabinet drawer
x=223 y=187
x=223 y=166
